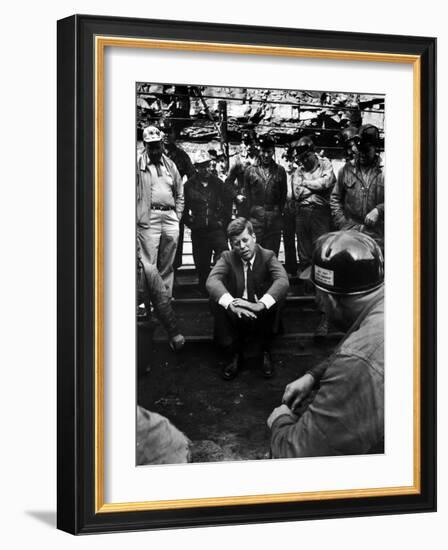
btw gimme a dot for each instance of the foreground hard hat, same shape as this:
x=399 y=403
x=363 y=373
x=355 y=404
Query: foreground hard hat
x=201 y=157
x=151 y=134
x=347 y=262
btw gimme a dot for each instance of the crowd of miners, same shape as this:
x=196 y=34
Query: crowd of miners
x=238 y=210
x=299 y=199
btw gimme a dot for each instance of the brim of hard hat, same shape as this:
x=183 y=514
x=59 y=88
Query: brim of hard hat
x=341 y=293
x=303 y=154
x=152 y=140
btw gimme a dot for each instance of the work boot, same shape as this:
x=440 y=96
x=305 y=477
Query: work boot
x=322 y=328
x=267 y=368
x=231 y=369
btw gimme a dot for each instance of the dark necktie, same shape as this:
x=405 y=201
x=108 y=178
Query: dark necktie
x=250 y=283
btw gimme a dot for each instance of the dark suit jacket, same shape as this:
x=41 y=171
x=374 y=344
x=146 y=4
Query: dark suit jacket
x=228 y=276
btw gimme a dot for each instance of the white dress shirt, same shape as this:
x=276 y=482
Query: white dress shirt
x=226 y=299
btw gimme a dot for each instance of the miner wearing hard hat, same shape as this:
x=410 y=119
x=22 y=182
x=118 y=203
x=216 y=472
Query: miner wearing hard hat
x=265 y=190
x=160 y=204
x=312 y=185
x=247 y=156
x=357 y=199
x=208 y=210
x=337 y=407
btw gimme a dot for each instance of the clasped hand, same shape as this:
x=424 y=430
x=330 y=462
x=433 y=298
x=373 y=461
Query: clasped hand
x=372 y=217
x=297 y=391
x=244 y=308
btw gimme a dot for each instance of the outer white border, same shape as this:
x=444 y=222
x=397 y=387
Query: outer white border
x=123 y=481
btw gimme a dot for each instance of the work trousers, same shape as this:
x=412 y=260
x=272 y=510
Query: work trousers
x=180 y=247
x=268 y=231
x=311 y=222
x=289 y=241
x=206 y=242
x=159 y=242
x=250 y=337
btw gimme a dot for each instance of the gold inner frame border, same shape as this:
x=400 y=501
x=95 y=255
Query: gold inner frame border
x=101 y=42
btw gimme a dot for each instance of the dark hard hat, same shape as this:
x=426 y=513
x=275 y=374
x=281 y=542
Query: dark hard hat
x=304 y=145
x=266 y=141
x=347 y=262
x=248 y=137
x=369 y=135
x=351 y=133
x=167 y=125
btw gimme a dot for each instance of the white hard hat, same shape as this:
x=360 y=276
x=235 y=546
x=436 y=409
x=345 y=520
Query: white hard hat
x=201 y=157
x=151 y=134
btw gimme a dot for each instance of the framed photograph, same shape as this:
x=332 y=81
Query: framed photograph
x=246 y=274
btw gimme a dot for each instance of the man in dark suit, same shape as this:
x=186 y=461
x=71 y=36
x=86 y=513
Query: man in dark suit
x=246 y=287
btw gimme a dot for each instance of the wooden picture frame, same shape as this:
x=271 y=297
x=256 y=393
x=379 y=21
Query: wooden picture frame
x=82 y=41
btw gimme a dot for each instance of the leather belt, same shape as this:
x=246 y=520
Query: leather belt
x=159 y=207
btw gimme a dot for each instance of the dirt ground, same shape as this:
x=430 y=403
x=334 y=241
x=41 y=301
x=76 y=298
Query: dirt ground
x=225 y=420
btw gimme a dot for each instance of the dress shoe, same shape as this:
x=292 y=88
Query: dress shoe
x=267 y=367
x=231 y=369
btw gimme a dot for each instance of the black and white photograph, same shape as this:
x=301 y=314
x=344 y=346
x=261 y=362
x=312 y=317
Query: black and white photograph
x=234 y=347
x=260 y=273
